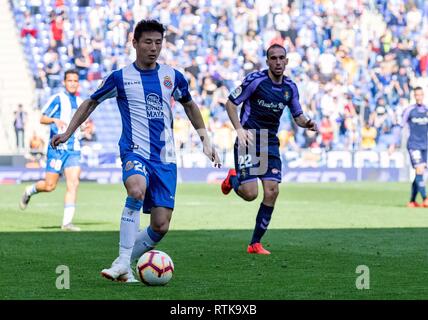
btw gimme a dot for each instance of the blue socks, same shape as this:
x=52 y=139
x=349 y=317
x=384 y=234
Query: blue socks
x=156 y=237
x=414 y=191
x=418 y=186
x=262 y=222
x=419 y=180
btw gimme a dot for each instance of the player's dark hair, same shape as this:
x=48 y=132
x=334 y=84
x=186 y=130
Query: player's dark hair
x=275 y=45
x=417 y=88
x=70 y=71
x=148 y=26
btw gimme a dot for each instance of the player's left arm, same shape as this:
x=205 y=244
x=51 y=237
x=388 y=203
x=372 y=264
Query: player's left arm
x=304 y=122
x=181 y=94
x=195 y=117
x=297 y=112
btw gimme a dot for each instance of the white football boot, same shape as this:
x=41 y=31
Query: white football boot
x=116 y=270
x=128 y=278
x=70 y=227
x=25 y=199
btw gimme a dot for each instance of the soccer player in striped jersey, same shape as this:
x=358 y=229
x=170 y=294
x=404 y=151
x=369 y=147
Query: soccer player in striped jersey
x=264 y=96
x=143 y=91
x=57 y=113
x=415 y=117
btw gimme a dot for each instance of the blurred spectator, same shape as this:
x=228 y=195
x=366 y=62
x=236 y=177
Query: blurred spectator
x=41 y=83
x=368 y=137
x=35 y=6
x=28 y=27
x=83 y=62
x=57 y=28
x=19 y=125
x=344 y=55
x=88 y=133
x=53 y=68
x=327 y=133
x=37 y=146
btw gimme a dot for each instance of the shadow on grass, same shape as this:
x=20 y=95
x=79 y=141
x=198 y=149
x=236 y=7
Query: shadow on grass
x=77 y=224
x=213 y=264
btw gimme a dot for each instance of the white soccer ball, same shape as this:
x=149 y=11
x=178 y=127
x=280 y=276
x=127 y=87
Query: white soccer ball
x=155 y=268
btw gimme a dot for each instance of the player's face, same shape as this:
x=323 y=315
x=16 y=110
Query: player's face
x=277 y=60
x=148 y=47
x=71 y=83
x=419 y=96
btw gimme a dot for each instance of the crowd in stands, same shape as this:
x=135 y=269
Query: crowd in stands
x=355 y=62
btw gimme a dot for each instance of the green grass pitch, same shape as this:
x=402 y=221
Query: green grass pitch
x=318 y=235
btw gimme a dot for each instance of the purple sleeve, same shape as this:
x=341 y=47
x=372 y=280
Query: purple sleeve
x=248 y=86
x=406 y=114
x=295 y=107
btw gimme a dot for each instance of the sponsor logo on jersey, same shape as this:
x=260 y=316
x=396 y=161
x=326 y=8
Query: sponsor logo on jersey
x=420 y=120
x=236 y=93
x=167 y=82
x=154 y=106
x=129 y=165
x=130 y=83
x=271 y=105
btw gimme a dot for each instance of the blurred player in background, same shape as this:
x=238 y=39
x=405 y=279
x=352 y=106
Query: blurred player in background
x=264 y=95
x=143 y=91
x=415 y=117
x=57 y=113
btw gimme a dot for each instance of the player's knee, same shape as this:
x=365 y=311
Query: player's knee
x=161 y=227
x=274 y=193
x=73 y=185
x=50 y=187
x=271 y=194
x=250 y=195
x=136 y=193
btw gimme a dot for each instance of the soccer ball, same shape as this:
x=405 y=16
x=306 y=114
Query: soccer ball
x=155 y=268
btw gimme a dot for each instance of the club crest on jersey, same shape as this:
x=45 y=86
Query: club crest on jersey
x=167 y=82
x=129 y=165
x=287 y=95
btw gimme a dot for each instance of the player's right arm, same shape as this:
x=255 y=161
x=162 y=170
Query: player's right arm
x=106 y=90
x=245 y=137
x=58 y=122
x=236 y=97
x=405 y=117
x=48 y=113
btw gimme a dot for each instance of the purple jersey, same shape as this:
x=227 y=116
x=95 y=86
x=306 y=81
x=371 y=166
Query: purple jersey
x=416 y=117
x=264 y=101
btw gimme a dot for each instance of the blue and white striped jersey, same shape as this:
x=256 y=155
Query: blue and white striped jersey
x=63 y=106
x=144 y=101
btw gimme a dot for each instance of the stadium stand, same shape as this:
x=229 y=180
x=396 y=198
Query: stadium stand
x=355 y=62
x=16 y=85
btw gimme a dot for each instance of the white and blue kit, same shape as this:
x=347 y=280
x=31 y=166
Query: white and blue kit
x=147 y=142
x=62 y=106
